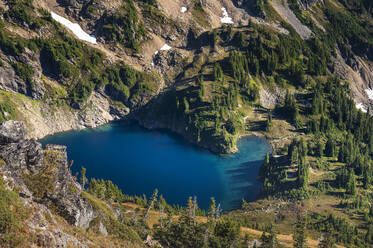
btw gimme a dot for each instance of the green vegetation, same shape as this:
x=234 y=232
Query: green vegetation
x=43 y=182
x=107 y=217
x=21 y=12
x=187 y=232
x=25 y=72
x=124 y=26
x=12 y=213
x=7 y=111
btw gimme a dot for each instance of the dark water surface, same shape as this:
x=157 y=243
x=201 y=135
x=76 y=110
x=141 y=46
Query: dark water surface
x=139 y=160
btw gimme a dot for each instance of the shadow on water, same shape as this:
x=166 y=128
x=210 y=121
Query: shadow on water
x=244 y=178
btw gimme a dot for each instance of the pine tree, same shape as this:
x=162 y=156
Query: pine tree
x=83 y=178
x=186 y=105
x=218 y=72
x=151 y=204
x=330 y=147
x=351 y=184
x=369 y=235
x=269 y=123
x=212 y=213
x=300 y=238
x=161 y=205
x=270 y=240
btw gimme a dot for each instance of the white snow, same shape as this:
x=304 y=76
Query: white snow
x=165 y=47
x=361 y=107
x=369 y=93
x=183 y=9
x=75 y=28
x=226 y=19
x=156 y=52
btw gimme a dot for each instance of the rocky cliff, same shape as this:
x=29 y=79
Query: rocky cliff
x=49 y=193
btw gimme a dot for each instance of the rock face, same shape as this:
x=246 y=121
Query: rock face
x=12 y=132
x=10 y=81
x=282 y=8
x=42 y=176
x=307 y=4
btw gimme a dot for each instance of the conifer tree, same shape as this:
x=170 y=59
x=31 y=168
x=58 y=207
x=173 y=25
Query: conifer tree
x=269 y=123
x=369 y=234
x=351 y=184
x=83 y=178
x=161 y=205
x=212 y=213
x=151 y=204
x=300 y=238
x=270 y=240
x=330 y=147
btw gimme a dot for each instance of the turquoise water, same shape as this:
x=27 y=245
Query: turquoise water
x=139 y=160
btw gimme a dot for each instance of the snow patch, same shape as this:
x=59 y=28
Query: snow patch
x=165 y=47
x=156 y=52
x=369 y=93
x=226 y=19
x=75 y=28
x=183 y=9
x=361 y=107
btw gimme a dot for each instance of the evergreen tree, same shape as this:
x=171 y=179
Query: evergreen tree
x=330 y=147
x=300 y=238
x=351 y=184
x=269 y=123
x=211 y=216
x=369 y=234
x=218 y=72
x=83 y=178
x=161 y=205
x=270 y=240
x=153 y=199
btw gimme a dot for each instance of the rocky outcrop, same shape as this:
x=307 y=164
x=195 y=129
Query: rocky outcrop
x=358 y=72
x=282 y=8
x=12 y=132
x=10 y=81
x=307 y=4
x=42 y=176
x=270 y=98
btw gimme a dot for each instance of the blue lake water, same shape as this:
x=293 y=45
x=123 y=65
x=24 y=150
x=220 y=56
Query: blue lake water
x=139 y=160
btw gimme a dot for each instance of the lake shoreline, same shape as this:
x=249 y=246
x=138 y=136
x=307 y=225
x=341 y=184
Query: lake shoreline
x=169 y=164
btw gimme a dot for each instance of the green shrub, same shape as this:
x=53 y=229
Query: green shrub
x=22 y=12
x=42 y=183
x=124 y=26
x=7 y=111
x=24 y=71
x=12 y=213
x=9 y=45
